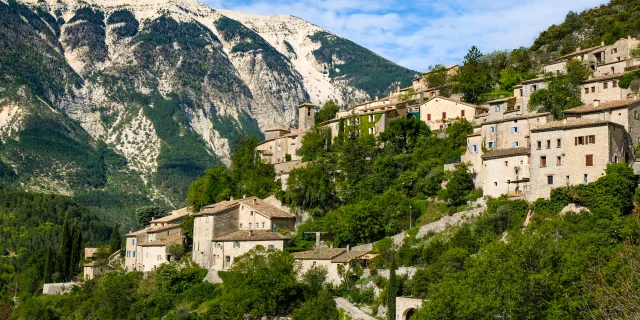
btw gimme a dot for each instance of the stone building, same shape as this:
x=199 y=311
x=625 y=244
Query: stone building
x=146 y=249
x=603 y=89
x=227 y=229
x=406 y=307
x=280 y=144
x=623 y=112
x=439 y=112
x=506 y=172
x=369 y=118
x=573 y=151
x=498 y=137
x=334 y=260
x=526 y=89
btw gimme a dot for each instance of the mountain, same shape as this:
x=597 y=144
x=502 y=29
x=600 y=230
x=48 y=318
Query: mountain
x=124 y=103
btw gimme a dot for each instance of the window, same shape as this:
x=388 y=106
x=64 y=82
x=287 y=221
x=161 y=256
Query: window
x=506 y=163
x=134 y=254
x=539 y=145
x=605 y=85
x=133 y=241
x=314 y=263
x=548 y=144
x=492 y=130
x=593 y=89
x=441 y=126
x=585 y=178
x=371 y=118
x=462 y=113
x=498 y=108
x=249 y=225
x=128 y=254
x=357 y=121
x=614 y=50
x=227 y=259
x=371 y=130
x=236 y=244
x=521 y=92
x=591 y=139
x=613 y=70
x=271 y=246
x=614 y=84
x=615 y=159
x=495 y=183
x=558 y=143
x=534 y=88
x=549 y=179
x=473 y=148
x=636 y=115
x=308 y=112
x=429 y=117
x=558 y=161
x=444 y=115
x=515 y=130
x=589 y=160
x=251 y=214
x=240 y=225
x=543 y=161
x=514 y=144
x=159 y=257
x=586 y=90
x=490 y=145
x=579 y=140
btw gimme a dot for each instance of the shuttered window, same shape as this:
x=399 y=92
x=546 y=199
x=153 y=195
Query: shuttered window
x=462 y=113
x=589 y=160
x=429 y=117
x=444 y=115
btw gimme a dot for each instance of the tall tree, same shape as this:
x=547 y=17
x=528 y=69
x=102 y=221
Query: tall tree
x=147 y=213
x=64 y=251
x=472 y=80
x=438 y=77
x=392 y=289
x=50 y=266
x=562 y=91
x=327 y=112
x=76 y=250
x=115 y=243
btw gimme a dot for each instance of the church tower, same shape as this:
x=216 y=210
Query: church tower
x=306 y=116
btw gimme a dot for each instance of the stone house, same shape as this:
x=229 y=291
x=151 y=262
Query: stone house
x=280 y=144
x=371 y=117
x=527 y=88
x=227 y=229
x=603 y=88
x=439 y=112
x=506 y=172
x=92 y=269
x=573 y=151
x=146 y=249
x=500 y=108
x=496 y=137
x=623 y=112
x=334 y=260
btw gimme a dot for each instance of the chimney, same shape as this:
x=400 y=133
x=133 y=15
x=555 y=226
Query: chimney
x=348 y=247
x=564 y=121
x=255 y=201
x=602 y=43
x=376 y=98
x=596 y=103
x=250 y=232
x=231 y=198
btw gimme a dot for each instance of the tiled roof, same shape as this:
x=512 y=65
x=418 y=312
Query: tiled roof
x=277 y=129
x=261 y=207
x=163 y=228
x=475 y=134
x=501 y=100
x=256 y=235
x=605 y=77
x=89 y=252
x=588 y=108
x=136 y=233
x=173 y=216
x=571 y=124
x=349 y=256
x=533 y=80
x=319 y=254
x=504 y=153
x=521 y=117
x=169 y=240
x=307 y=104
x=90 y=264
x=575 y=53
x=456 y=101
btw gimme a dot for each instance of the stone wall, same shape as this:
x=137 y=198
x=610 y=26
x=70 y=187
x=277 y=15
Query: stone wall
x=405 y=307
x=499 y=171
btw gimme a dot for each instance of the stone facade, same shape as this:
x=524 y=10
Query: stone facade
x=439 y=112
x=506 y=173
x=569 y=152
x=406 y=307
x=604 y=89
x=334 y=260
x=227 y=229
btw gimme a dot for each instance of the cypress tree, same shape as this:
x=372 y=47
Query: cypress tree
x=391 y=290
x=115 y=244
x=50 y=266
x=64 y=253
x=76 y=250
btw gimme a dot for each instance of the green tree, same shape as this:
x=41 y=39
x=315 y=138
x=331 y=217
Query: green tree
x=327 y=112
x=50 y=266
x=147 y=213
x=472 y=79
x=115 y=243
x=402 y=134
x=392 y=289
x=458 y=187
x=321 y=307
x=438 y=77
x=214 y=186
x=176 y=251
x=562 y=91
x=64 y=251
x=315 y=143
x=311 y=187
x=77 y=248
x=509 y=77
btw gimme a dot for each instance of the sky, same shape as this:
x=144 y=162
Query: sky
x=420 y=33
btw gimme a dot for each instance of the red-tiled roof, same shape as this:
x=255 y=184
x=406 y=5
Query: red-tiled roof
x=504 y=153
x=616 y=104
x=572 y=124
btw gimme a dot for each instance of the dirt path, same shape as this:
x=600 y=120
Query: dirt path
x=352 y=310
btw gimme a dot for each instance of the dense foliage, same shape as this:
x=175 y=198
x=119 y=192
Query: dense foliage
x=327 y=112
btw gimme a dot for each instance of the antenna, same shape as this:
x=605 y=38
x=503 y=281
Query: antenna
x=317 y=233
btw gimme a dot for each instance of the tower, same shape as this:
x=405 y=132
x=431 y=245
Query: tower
x=306 y=116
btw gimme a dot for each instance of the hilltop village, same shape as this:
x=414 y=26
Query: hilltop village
x=514 y=151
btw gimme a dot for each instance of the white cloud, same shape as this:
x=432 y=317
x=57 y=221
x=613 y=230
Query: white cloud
x=425 y=32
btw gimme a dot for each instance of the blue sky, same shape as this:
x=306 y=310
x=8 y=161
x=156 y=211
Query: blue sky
x=420 y=33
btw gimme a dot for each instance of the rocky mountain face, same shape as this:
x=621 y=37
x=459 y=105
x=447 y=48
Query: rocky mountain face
x=121 y=103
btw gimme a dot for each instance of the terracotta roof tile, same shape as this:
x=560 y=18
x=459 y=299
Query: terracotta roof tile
x=507 y=119
x=475 y=134
x=605 y=77
x=456 y=101
x=89 y=252
x=575 y=53
x=261 y=207
x=257 y=235
x=163 y=228
x=588 y=108
x=277 y=129
x=173 y=216
x=572 y=124
x=169 y=240
x=319 y=254
x=504 y=153
x=349 y=256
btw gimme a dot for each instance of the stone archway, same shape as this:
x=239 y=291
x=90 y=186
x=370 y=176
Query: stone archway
x=408 y=314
